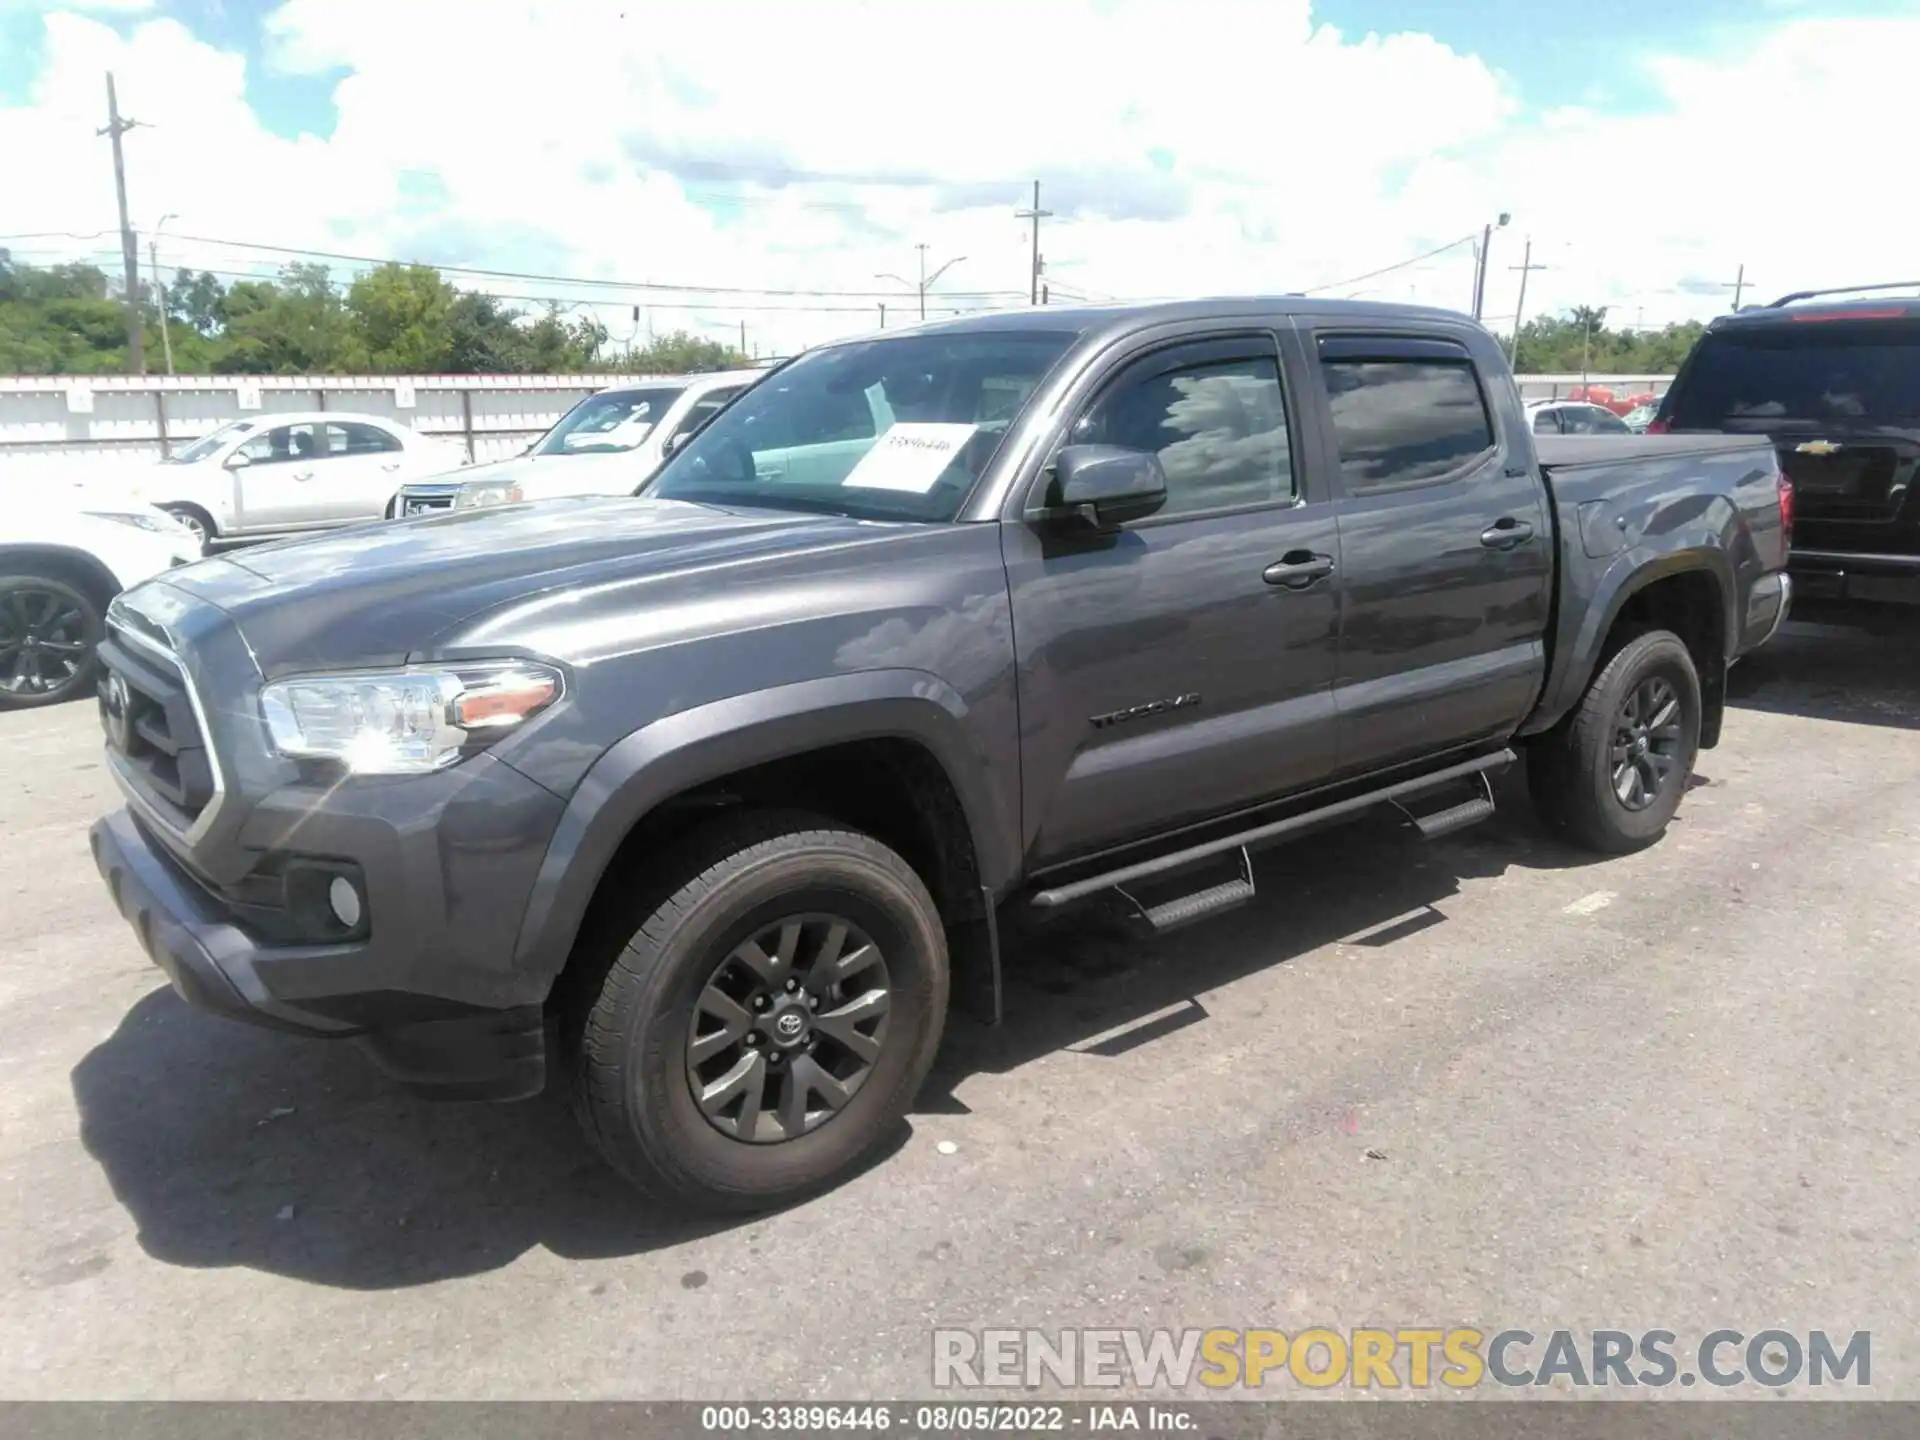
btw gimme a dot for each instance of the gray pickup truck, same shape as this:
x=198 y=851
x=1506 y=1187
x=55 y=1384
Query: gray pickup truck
x=718 y=794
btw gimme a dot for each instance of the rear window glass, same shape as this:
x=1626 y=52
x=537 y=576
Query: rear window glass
x=1400 y=422
x=1819 y=371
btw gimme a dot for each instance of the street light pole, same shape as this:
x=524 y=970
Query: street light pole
x=159 y=290
x=925 y=283
x=1480 y=269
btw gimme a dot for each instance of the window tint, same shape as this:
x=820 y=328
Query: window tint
x=1403 y=421
x=355 y=438
x=1219 y=428
x=284 y=443
x=1822 y=372
x=1546 y=422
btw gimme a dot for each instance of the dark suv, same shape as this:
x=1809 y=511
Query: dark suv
x=1835 y=384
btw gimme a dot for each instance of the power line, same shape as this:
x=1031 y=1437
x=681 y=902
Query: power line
x=1389 y=269
x=536 y=277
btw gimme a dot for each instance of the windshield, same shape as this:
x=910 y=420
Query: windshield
x=892 y=429
x=619 y=420
x=208 y=444
x=1816 y=372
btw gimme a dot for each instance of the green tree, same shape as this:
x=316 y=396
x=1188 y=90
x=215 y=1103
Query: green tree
x=403 y=316
x=195 y=300
x=296 y=327
x=682 y=353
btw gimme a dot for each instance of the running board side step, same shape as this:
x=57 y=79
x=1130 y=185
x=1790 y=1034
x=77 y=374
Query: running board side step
x=1197 y=904
x=1278 y=829
x=1458 y=816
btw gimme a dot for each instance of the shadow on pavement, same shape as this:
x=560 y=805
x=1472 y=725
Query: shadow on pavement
x=1370 y=883
x=233 y=1146
x=1847 y=672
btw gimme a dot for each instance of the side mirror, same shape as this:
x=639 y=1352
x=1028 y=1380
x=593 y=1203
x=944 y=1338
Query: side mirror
x=239 y=460
x=1102 y=486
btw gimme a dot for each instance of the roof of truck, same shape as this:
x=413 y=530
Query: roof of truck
x=1125 y=317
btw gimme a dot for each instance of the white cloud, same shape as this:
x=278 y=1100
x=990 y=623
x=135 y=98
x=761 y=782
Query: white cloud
x=1189 y=146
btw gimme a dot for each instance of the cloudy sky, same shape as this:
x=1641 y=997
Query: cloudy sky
x=763 y=162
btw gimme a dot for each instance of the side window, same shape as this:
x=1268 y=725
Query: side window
x=357 y=438
x=1400 y=422
x=1546 y=422
x=698 y=413
x=283 y=443
x=1605 y=422
x=1218 y=426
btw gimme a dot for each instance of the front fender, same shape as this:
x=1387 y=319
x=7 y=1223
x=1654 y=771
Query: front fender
x=693 y=747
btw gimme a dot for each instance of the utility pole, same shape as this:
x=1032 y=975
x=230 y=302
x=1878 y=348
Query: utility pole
x=1738 y=287
x=1036 y=215
x=883 y=314
x=743 y=336
x=129 y=246
x=1525 y=267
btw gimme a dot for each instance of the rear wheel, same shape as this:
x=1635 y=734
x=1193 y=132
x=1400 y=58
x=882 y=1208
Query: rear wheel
x=768 y=1020
x=195 y=519
x=1611 y=776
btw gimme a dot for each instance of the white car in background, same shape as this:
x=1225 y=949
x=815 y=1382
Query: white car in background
x=64 y=555
x=608 y=444
x=1574 y=417
x=283 y=474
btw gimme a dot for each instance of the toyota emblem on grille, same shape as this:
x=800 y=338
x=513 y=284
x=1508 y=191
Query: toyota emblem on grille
x=119 y=711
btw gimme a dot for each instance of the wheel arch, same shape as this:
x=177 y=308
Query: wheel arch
x=909 y=725
x=1690 y=590
x=79 y=568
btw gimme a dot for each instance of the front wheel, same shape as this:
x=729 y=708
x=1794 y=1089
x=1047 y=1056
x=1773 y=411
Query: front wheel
x=1610 y=776
x=769 y=1020
x=48 y=634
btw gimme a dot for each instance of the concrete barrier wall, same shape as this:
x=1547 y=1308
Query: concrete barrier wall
x=88 y=418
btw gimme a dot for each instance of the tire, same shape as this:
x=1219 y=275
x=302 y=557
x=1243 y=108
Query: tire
x=1573 y=771
x=49 y=631
x=629 y=1018
x=196 y=520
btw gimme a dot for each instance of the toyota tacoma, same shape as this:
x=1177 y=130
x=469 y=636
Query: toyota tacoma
x=708 y=800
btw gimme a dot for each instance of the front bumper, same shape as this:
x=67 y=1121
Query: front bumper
x=437 y=1047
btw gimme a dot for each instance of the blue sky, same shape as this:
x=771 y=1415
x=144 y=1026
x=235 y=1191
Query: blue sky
x=1183 y=144
x=1584 y=54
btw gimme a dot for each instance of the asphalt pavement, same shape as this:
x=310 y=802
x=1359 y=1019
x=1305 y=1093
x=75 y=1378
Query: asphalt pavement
x=1484 y=1081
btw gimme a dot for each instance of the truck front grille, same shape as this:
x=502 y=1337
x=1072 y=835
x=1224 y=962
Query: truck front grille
x=151 y=727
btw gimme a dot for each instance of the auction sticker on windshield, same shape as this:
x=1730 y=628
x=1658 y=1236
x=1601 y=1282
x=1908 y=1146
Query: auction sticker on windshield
x=909 y=457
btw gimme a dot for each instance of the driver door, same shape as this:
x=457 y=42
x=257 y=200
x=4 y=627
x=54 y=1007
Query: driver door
x=274 y=485
x=1171 y=669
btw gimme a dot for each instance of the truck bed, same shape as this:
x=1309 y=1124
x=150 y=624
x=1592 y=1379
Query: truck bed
x=1562 y=452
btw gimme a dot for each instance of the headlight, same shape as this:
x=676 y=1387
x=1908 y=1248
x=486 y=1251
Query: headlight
x=404 y=722
x=476 y=493
x=154 y=521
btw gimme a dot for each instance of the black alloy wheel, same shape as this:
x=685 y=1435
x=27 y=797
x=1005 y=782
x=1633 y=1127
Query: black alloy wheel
x=1648 y=740
x=788 y=1028
x=48 y=631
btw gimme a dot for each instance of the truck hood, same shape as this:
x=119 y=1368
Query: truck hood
x=384 y=594
x=592 y=468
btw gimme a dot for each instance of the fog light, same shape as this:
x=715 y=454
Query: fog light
x=345 y=901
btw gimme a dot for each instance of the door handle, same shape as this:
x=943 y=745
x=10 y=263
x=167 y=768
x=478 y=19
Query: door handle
x=1505 y=533
x=303 y=474
x=1297 y=569
x=392 y=467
